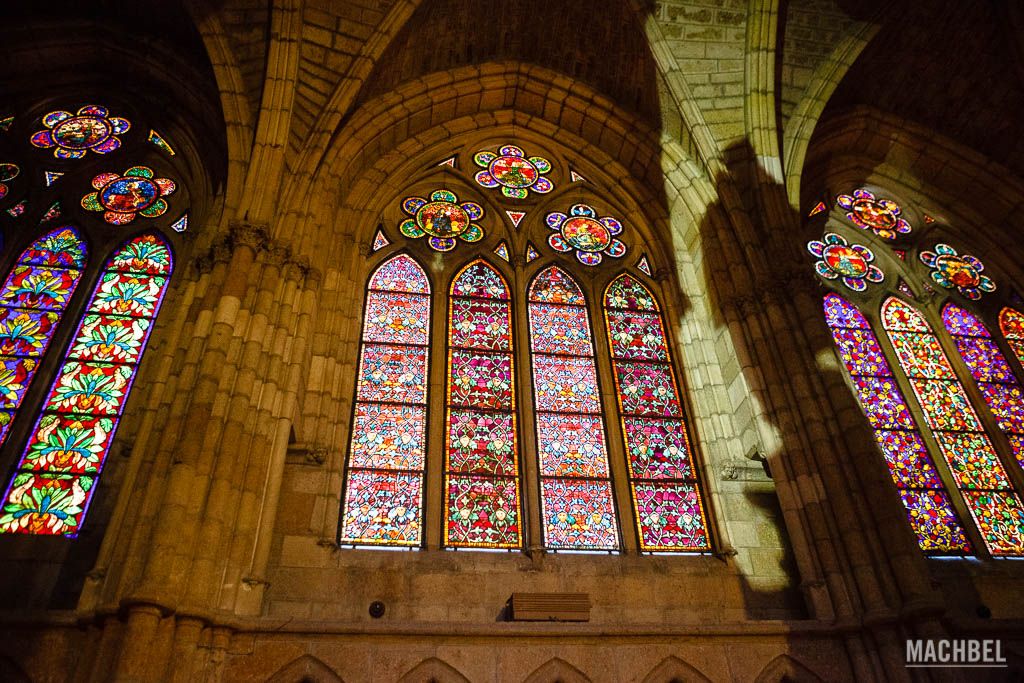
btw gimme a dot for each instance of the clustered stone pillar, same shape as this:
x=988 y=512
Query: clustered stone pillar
x=190 y=538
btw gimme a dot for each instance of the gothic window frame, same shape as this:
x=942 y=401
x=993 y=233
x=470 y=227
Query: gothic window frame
x=46 y=179
x=383 y=240
x=909 y=280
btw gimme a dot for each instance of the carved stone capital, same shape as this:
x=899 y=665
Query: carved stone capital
x=298 y=267
x=314 y=276
x=277 y=253
x=246 y=234
x=203 y=264
x=221 y=250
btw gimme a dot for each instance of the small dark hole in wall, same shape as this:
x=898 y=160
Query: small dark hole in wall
x=376 y=609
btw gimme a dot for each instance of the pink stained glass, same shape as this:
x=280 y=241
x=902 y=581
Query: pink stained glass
x=400 y=274
x=1000 y=520
x=396 y=318
x=647 y=389
x=999 y=387
x=481 y=324
x=577 y=505
x=929 y=508
x=559 y=329
x=79 y=418
x=657 y=448
x=391 y=373
x=667 y=498
x=481 y=443
x=389 y=436
x=480 y=379
x=579 y=514
x=637 y=336
x=670 y=516
x=963 y=443
x=565 y=383
x=31 y=303
x=383 y=498
x=383 y=507
x=573 y=445
x=483 y=512
x=481 y=458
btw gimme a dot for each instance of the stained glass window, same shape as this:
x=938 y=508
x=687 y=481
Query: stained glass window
x=57 y=474
x=667 y=498
x=928 y=504
x=995 y=379
x=578 y=509
x=1011 y=322
x=31 y=303
x=481 y=457
x=964 y=445
x=383 y=502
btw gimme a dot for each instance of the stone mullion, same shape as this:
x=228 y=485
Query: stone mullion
x=529 y=455
x=618 y=467
x=435 y=504
x=175 y=532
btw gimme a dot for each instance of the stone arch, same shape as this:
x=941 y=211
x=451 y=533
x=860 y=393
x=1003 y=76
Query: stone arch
x=785 y=668
x=556 y=670
x=305 y=669
x=433 y=670
x=674 y=670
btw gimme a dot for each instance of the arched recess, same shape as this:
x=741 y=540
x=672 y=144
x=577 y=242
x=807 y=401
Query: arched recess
x=433 y=670
x=869 y=147
x=787 y=669
x=556 y=670
x=305 y=669
x=674 y=670
x=388 y=139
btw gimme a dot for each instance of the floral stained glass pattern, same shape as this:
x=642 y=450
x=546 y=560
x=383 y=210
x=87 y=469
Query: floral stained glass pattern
x=60 y=466
x=442 y=219
x=988 y=365
x=667 y=497
x=884 y=217
x=31 y=303
x=929 y=507
x=71 y=136
x=578 y=508
x=958 y=271
x=514 y=172
x=586 y=234
x=122 y=198
x=383 y=501
x=481 y=458
x=850 y=263
x=964 y=445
